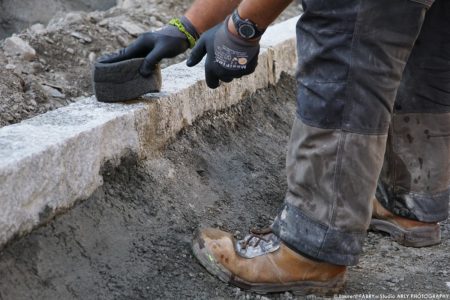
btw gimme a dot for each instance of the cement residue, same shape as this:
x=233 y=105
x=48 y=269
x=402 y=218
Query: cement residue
x=131 y=239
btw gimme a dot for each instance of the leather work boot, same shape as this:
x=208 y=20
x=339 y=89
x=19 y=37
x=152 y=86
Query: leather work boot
x=263 y=264
x=406 y=232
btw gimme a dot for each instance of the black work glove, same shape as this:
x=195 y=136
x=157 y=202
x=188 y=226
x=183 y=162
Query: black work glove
x=228 y=56
x=168 y=42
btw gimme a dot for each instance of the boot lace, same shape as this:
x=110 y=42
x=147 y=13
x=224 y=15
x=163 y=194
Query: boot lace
x=257 y=235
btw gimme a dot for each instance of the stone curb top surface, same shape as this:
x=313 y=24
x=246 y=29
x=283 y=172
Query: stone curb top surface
x=49 y=162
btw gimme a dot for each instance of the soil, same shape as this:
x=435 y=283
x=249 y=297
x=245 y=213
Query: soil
x=65 y=49
x=131 y=239
x=16 y=15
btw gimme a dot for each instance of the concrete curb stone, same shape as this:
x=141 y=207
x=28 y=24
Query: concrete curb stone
x=51 y=161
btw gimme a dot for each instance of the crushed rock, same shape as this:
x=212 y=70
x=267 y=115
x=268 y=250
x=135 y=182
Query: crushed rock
x=61 y=53
x=15 y=46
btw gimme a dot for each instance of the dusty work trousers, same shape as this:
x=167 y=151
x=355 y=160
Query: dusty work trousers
x=373 y=77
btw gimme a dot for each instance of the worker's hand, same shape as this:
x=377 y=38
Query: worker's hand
x=228 y=56
x=168 y=42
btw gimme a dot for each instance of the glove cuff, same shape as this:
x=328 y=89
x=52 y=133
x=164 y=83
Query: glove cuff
x=189 y=27
x=186 y=27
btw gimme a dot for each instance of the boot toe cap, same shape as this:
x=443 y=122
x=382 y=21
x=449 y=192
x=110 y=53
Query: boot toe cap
x=209 y=246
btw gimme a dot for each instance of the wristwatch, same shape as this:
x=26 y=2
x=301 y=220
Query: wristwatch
x=246 y=28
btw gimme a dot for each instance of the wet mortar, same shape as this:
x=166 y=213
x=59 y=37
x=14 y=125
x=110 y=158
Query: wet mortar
x=131 y=239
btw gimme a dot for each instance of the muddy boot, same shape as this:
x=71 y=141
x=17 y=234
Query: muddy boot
x=406 y=232
x=263 y=264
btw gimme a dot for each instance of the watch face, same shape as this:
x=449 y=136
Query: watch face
x=247 y=31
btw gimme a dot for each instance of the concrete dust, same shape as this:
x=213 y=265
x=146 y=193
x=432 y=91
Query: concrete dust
x=131 y=239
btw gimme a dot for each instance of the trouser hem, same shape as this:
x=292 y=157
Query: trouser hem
x=422 y=207
x=427 y=3
x=316 y=240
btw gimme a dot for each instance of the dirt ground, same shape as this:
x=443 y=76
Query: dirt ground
x=60 y=72
x=131 y=239
x=18 y=15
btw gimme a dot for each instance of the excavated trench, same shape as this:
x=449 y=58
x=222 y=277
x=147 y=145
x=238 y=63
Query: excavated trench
x=18 y=15
x=131 y=239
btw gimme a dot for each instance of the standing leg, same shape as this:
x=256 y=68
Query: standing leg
x=415 y=181
x=351 y=57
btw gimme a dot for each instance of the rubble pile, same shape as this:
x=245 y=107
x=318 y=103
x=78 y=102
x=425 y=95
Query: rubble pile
x=16 y=16
x=48 y=66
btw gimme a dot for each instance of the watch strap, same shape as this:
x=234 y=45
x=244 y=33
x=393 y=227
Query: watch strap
x=238 y=22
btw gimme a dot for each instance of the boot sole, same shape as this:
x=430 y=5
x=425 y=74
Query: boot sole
x=416 y=237
x=301 y=288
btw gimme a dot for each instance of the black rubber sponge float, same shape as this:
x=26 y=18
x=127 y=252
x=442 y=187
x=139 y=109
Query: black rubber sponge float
x=121 y=81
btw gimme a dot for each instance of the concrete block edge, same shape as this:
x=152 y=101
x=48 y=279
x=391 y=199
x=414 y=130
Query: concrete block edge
x=50 y=162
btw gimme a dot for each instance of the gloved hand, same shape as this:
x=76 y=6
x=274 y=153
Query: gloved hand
x=168 y=42
x=228 y=56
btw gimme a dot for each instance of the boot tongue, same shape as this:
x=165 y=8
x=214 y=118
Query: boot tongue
x=254 y=245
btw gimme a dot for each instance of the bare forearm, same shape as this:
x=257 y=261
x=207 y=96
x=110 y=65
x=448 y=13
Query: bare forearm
x=204 y=14
x=262 y=12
